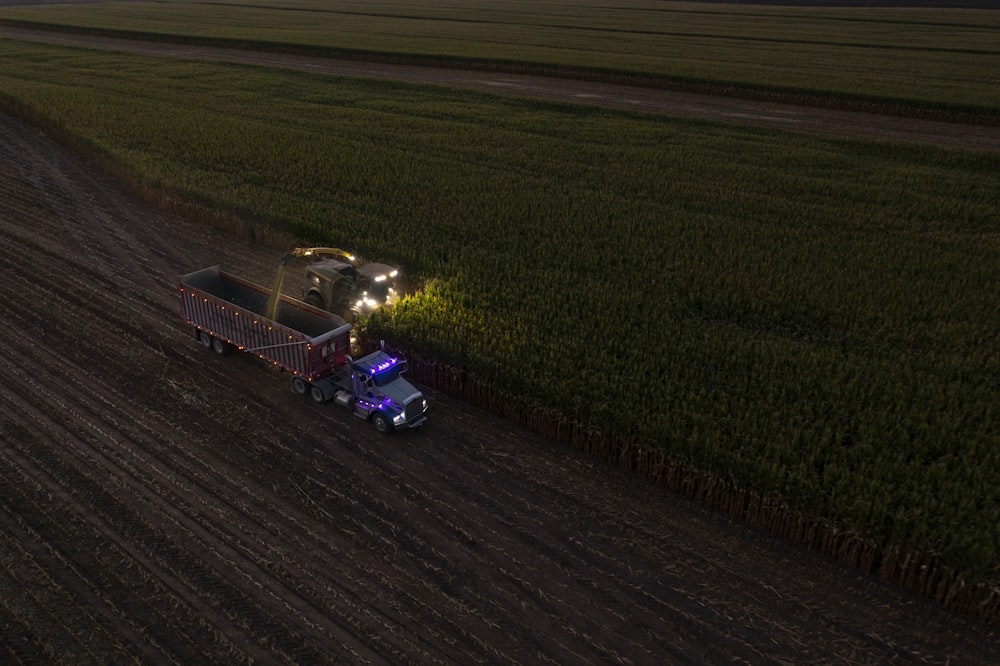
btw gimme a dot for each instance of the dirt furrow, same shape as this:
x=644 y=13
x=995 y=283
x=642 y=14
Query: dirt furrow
x=531 y=536
x=488 y=550
x=97 y=504
x=140 y=487
x=30 y=599
x=56 y=539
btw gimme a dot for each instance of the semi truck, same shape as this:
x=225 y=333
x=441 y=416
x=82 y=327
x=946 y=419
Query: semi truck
x=227 y=313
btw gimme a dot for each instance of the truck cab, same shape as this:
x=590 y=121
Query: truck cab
x=382 y=396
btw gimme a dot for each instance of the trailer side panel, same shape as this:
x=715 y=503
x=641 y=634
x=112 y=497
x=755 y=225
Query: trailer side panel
x=302 y=339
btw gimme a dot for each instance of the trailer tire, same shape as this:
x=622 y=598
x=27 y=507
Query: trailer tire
x=317 y=395
x=299 y=385
x=205 y=339
x=381 y=423
x=221 y=347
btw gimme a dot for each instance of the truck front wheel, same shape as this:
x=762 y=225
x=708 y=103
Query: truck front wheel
x=381 y=423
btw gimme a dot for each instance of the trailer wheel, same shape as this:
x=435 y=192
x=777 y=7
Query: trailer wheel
x=317 y=395
x=221 y=346
x=299 y=385
x=205 y=339
x=381 y=423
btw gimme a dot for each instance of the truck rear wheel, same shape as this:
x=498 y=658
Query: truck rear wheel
x=299 y=385
x=205 y=339
x=221 y=346
x=381 y=423
x=317 y=395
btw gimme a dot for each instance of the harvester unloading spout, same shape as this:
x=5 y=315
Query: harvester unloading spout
x=271 y=311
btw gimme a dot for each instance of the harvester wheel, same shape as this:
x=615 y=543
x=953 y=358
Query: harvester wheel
x=299 y=385
x=346 y=313
x=315 y=300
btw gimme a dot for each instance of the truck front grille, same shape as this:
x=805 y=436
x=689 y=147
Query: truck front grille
x=414 y=409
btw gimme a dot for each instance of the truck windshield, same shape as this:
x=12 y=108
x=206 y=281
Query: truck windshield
x=386 y=376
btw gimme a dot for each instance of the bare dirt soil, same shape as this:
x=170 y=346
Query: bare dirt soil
x=161 y=504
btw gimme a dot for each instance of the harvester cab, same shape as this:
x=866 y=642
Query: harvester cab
x=376 y=287
x=331 y=284
x=336 y=281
